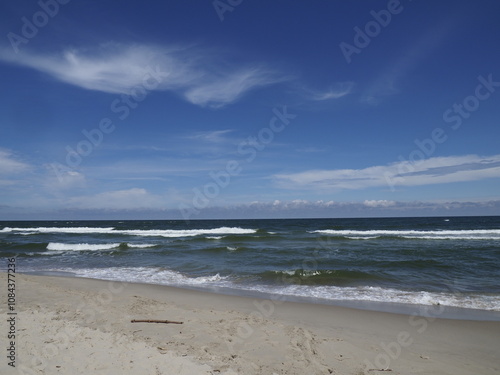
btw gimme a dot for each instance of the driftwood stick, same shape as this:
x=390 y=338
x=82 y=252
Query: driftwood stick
x=155 y=321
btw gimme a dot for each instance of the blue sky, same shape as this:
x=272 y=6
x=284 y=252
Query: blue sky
x=237 y=108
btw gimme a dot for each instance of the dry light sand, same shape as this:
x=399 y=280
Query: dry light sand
x=83 y=326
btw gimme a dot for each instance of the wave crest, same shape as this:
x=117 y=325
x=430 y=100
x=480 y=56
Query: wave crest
x=477 y=234
x=56 y=246
x=170 y=233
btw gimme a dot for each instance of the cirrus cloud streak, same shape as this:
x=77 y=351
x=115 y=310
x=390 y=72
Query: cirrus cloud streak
x=192 y=73
x=437 y=170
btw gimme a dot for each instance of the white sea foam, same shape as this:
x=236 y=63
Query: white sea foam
x=331 y=293
x=452 y=237
x=55 y=246
x=83 y=230
x=218 y=233
x=377 y=294
x=362 y=238
x=150 y=276
x=170 y=233
x=140 y=245
x=478 y=234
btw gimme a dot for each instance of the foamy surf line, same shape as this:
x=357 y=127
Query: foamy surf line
x=348 y=296
x=477 y=234
x=56 y=246
x=216 y=233
x=132 y=232
x=73 y=230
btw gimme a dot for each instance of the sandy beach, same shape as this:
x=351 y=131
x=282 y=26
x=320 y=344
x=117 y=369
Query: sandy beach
x=83 y=326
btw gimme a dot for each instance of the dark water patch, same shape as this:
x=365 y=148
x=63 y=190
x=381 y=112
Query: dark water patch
x=416 y=264
x=322 y=277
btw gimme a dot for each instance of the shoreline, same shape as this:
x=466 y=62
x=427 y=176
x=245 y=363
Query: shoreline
x=444 y=311
x=77 y=325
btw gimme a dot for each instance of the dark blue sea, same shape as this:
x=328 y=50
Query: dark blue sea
x=451 y=261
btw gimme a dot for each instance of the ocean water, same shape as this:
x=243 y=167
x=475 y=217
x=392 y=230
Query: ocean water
x=451 y=261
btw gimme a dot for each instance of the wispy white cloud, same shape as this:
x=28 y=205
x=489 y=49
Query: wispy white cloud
x=58 y=177
x=12 y=170
x=334 y=91
x=117 y=205
x=211 y=136
x=197 y=75
x=110 y=68
x=379 y=203
x=9 y=164
x=374 y=208
x=209 y=143
x=367 y=205
x=437 y=170
x=192 y=73
x=227 y=87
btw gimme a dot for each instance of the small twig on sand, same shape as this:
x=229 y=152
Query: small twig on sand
x=156 y=321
